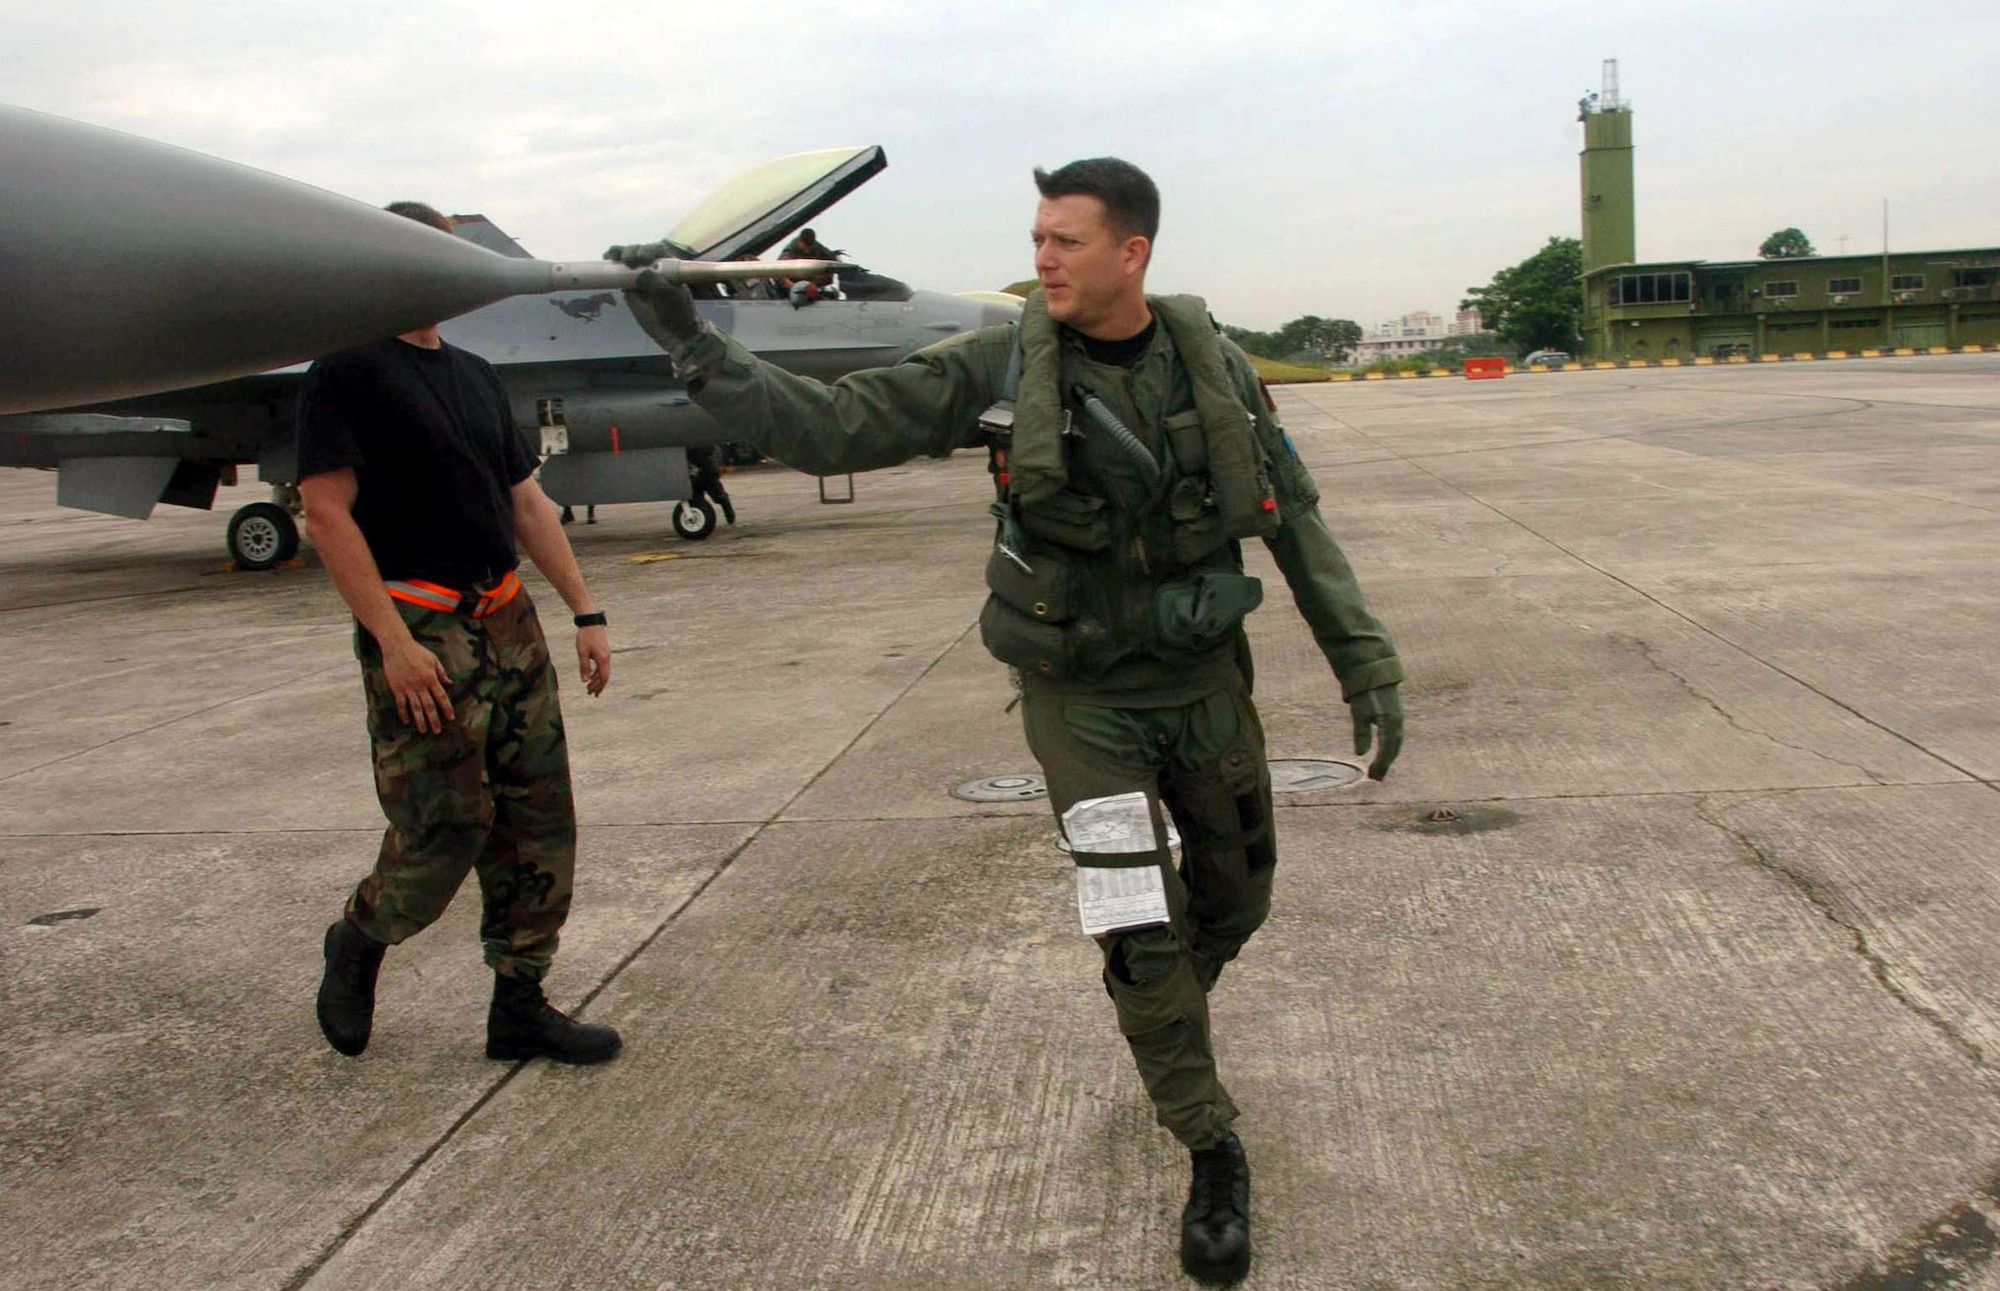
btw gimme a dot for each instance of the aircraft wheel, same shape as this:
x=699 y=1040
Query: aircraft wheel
x=694 y=520
x=262 y=535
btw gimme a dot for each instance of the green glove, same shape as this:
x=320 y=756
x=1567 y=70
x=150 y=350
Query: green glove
x=666 y=311
x=640 y=254
x=1383 y=708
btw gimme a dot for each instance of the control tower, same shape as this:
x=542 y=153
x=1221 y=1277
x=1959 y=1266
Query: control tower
x=1609 y=236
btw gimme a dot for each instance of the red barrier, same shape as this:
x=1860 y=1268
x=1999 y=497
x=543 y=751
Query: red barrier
x=1485 y=369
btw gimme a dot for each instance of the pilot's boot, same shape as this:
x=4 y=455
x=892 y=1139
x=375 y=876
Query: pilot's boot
x=522 y=1024
x=569 y=515
x=1215 y=1226
x=347 y=991
x=728 y=511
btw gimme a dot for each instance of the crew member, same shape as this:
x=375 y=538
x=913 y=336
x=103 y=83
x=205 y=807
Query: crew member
x=705 y=473
x=804 y=291
x=417 y=490
x=807 y=246
x=1117 y=595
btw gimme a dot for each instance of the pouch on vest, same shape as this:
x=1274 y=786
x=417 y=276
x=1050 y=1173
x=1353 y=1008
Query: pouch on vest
x=1190 y=445
x=1197 y=523
x=1070 y=518
x=1202 y=612
x=1037 y=648
x=1044 y=592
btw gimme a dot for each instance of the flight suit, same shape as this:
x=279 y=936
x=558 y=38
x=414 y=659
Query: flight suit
x=1137 y=678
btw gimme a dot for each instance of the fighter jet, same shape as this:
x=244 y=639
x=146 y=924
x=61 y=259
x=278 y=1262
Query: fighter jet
x=613 y=424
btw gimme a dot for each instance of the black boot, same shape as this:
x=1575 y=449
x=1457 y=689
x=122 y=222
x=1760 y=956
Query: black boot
x=347 y=991
x=522 y=1024
x=728 y=510
x=1215 y=1227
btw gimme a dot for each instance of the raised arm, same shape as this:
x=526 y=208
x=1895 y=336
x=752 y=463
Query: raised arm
x=926 y=405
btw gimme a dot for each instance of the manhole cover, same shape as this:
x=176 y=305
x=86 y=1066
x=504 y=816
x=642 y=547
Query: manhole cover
x=1304 y=775
x=1002 y=788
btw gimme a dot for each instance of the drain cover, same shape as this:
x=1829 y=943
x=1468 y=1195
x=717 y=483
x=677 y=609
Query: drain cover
x=1304 y=775
x=1002 y=788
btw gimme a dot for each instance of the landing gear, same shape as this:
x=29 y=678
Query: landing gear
x=694 y=520
x=262 y=535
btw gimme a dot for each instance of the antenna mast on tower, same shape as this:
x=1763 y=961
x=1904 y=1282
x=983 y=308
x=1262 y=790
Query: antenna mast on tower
x=1608 y=101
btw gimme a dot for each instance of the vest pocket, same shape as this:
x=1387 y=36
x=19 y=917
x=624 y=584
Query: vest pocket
x=1197 y=525
x=1201 y=612
x=1044 y=591
x=1073 y=519
x=1040 y=649
x=1190 y=443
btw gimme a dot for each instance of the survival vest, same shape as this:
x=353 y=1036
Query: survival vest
x=1113 y=567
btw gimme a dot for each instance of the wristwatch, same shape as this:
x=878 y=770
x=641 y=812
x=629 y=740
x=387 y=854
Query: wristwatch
x=594 y=619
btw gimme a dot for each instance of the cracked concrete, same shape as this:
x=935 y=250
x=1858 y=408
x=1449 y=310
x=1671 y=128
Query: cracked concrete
x=1652 y=657
x=1705 y=1001
x=1829 y=902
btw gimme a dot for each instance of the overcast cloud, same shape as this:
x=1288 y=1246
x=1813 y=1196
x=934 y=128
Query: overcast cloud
x=1352 y=161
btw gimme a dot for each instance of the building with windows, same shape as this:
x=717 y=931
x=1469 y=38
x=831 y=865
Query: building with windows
x=1657 y=310
x=1811 y=304
x=1399 y=338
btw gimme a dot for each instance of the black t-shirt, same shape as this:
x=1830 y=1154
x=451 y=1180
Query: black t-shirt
x=1120 y=354
x=434 y=451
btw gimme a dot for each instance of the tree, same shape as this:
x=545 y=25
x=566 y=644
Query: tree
x=1312 y=338
x=1786 y=244
x=1262 y=344
x=1538 y=303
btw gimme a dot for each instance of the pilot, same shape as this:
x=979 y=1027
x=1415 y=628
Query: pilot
x=418 y=490
x=804 y=291
x=1116 y=595
x=807 y=246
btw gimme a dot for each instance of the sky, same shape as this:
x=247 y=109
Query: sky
x=1346 y=160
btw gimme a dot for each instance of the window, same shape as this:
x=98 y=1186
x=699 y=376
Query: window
x=1652 y=288
x=1972 y=277
x=1844 y=286
x=1790 y=288
x=1849 y=323
x=1906 y=282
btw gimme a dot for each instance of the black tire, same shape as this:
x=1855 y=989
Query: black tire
x=262 y=535
x=695 y=520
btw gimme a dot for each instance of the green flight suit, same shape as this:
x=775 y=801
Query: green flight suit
x=1174 y=723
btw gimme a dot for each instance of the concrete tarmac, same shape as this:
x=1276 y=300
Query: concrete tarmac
x=1664 y=958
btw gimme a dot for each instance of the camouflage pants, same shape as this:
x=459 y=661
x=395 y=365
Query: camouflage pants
x=489 y=793
x=1203 y=763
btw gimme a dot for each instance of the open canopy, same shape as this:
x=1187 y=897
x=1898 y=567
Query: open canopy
x=760 y=208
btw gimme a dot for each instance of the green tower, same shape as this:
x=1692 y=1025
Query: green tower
x=1609 y=236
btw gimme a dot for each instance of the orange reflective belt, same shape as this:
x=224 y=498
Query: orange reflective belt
x=434 y=596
